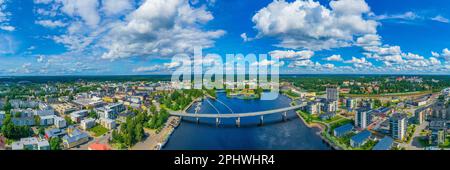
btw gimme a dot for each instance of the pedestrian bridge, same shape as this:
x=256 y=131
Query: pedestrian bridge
x=237 y=116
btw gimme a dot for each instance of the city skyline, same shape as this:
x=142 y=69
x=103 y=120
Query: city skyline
x=134 y=37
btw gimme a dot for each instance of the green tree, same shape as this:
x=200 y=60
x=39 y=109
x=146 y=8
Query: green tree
x=37 y=120
x=41 y=130
x=68 y=120
x=139 y=131
x=18 y=114
x=7 y=107
x=55 y=143
x=92 y=114
x=11 y=131
x=71 y=97
x=130 y=132
x=153 y=109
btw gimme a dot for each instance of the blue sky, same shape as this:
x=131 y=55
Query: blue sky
x=108 y=37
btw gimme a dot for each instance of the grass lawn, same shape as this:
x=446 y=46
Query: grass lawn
x=291 y=94
x=410 y=132
x=424 y=142
x=118 y=146
x=9 y=141
x=367 y=146
x=446 y=144
x=346 y=139
x=423 y=133
x=343 y=142
x=335 y=118
x=308 y=117
x=98 y=130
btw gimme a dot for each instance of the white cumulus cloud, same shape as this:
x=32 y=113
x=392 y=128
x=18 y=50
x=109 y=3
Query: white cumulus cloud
x=161 y=28
x=86 y=9
x=440 y=18
x=4 y=17
x=308 y=24
x=114 y=7
x=359 y=62
x=291 y=54
x=334 y=58
x=50 y=23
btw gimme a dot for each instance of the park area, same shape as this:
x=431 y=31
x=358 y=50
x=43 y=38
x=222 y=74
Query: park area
x=98 y=130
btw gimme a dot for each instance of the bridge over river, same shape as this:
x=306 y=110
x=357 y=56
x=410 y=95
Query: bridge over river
x=236 y=116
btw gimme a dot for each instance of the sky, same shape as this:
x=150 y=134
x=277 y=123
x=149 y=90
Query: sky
x=140 y=37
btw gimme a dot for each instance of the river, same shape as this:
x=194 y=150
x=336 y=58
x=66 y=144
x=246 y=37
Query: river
x=275 y=133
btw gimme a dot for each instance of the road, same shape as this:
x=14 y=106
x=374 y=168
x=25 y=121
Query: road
x=101 y=140
x=236 y=115
x=414 y=144
x=153 y=139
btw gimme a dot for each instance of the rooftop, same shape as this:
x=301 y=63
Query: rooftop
x=344 y=128
x=29 y=141
x=438 y=124
x=86 y=101
x=43 y=143
x=384 y=109
x=88 y=120
x=97 y=146
x=384 y=144
x=75 y=135
x=361 y=136
x=398 y=116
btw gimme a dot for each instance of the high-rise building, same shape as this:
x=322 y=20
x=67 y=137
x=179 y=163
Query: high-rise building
x=368 y=104
x=363 y=118
x=332 y=93
x=438 y=129
x=398 y=125
x=351 y=103
x=313 y=108
x=421 y=114
x=330 y=106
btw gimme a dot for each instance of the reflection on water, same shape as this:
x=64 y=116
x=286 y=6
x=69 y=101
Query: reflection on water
x=274 y=134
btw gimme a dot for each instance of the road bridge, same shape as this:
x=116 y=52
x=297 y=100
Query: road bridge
x=237 y=116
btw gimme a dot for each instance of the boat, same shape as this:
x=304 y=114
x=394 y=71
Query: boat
x=158 y=146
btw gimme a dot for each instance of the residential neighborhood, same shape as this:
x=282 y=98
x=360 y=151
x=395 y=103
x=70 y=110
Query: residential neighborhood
x=62 y=116
x=417 y=121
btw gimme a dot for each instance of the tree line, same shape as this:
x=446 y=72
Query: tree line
x=132 y=131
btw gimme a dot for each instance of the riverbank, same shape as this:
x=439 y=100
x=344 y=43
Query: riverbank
x=323 y=129
x=193 y=102
x=171 y=124
x=156 y=140
x=276 y=134
x=320 y=126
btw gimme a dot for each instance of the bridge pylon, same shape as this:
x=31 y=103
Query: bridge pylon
x=261 y=120
x=238 y=122
x=284 y=115
x=217 y=122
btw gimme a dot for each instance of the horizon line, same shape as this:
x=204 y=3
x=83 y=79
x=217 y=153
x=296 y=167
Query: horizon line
x=286 y=74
